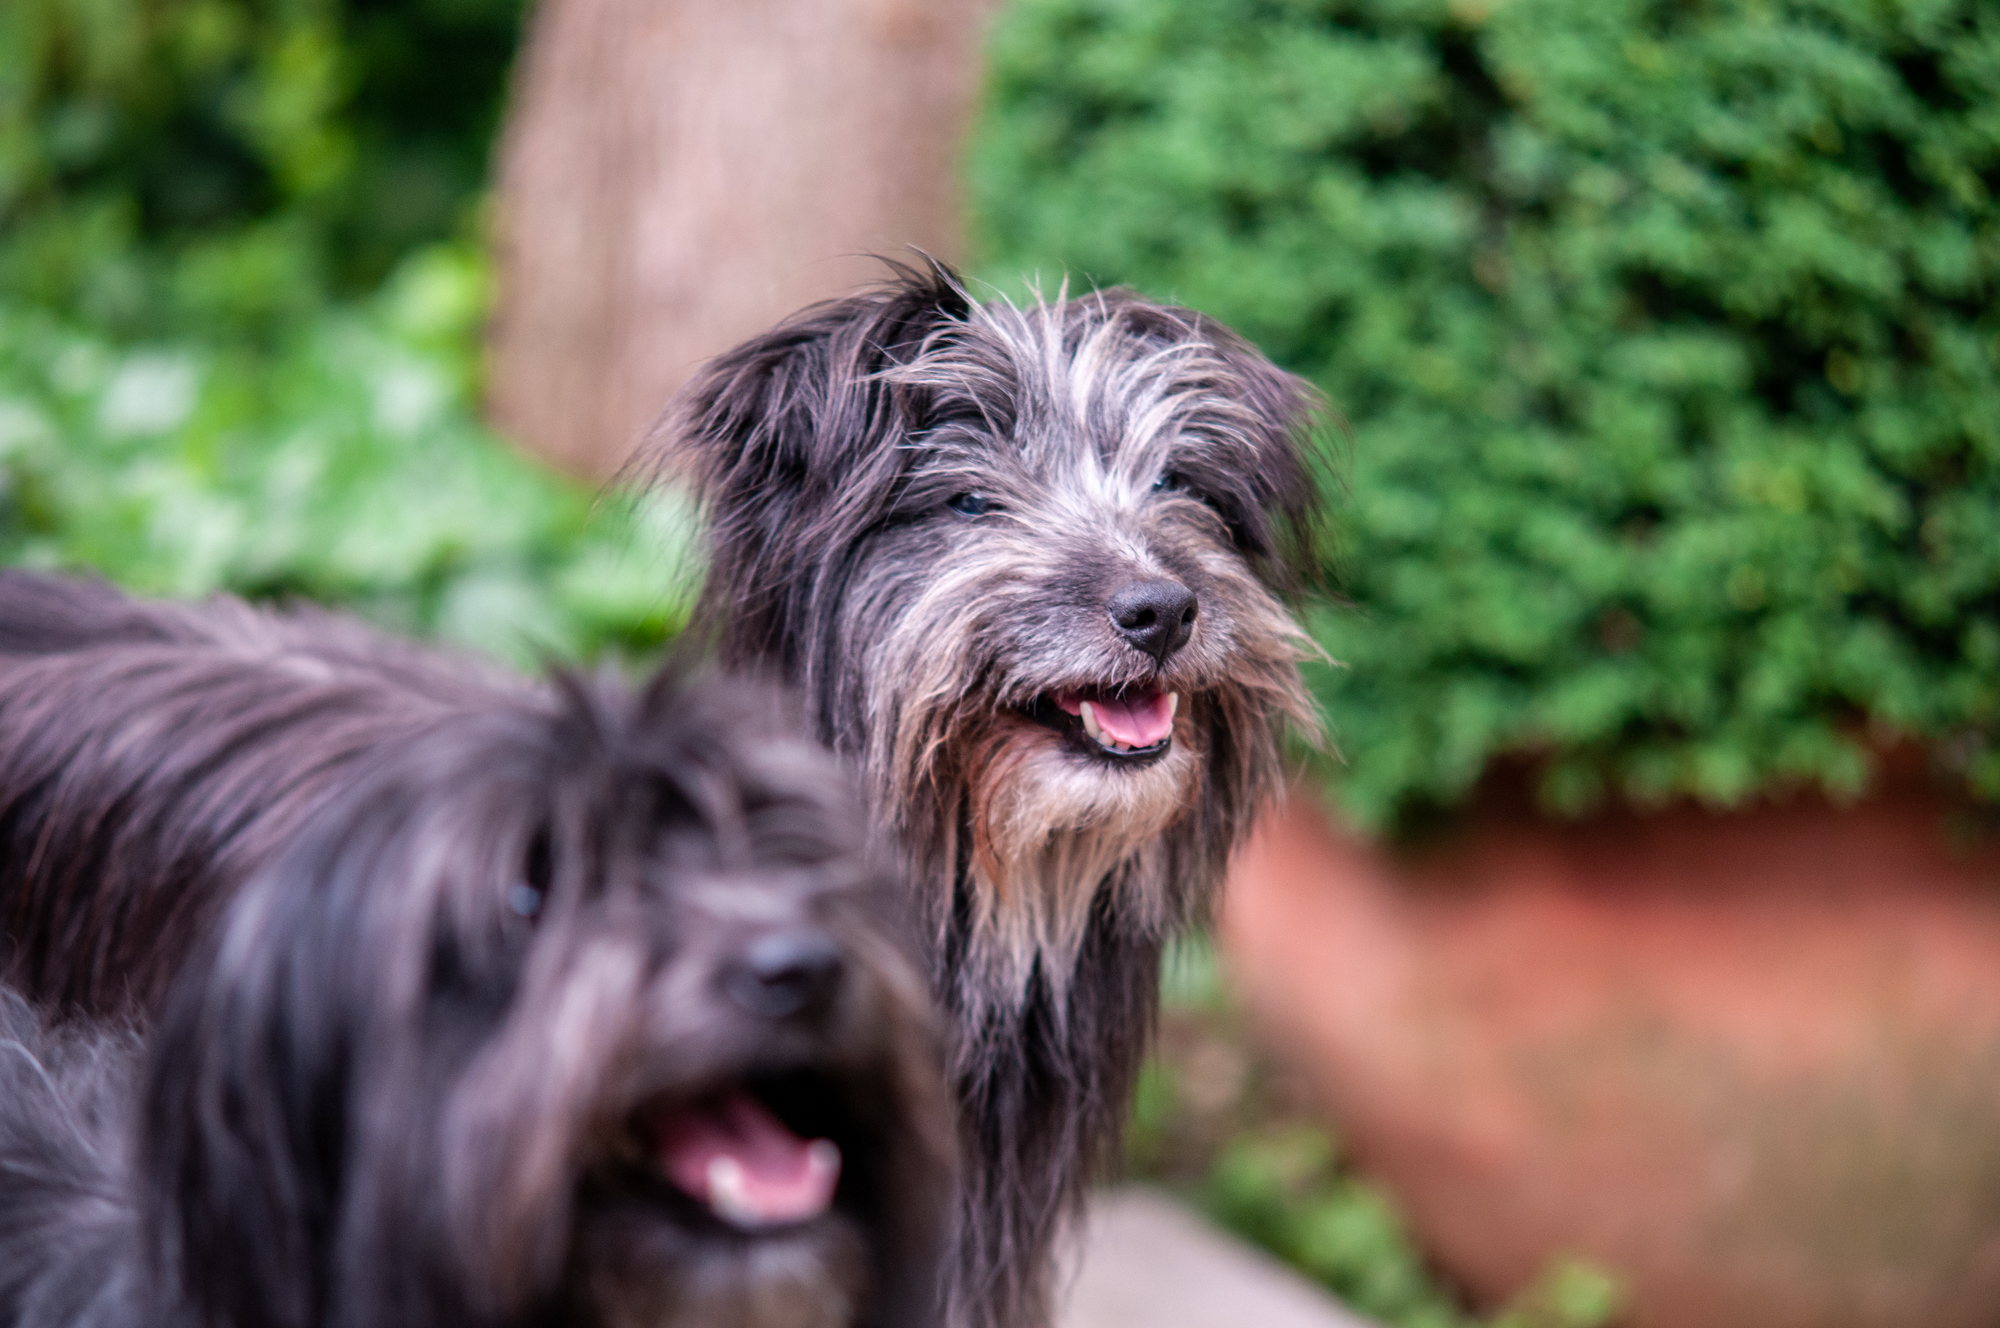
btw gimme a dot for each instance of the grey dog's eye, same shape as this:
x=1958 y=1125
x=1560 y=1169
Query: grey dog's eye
x=1169 y=481
x=524 y=899
x=972 y=504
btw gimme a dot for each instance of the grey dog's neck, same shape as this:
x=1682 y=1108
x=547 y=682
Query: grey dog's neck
x=1043 y=1080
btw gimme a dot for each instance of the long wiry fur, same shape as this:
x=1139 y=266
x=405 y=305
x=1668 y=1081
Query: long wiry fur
x=1111 y=441
x=66 y=1220
x=152 y=754
x=416 y=1062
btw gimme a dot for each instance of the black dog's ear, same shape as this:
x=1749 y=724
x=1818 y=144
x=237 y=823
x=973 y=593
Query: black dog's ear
x=265 y=1072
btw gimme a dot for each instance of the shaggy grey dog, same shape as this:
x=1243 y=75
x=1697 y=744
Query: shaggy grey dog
x=1029 y=568
x=568 y=1004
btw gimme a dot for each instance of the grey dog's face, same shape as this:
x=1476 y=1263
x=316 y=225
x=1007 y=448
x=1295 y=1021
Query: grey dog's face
x=1066 y=611
x=1025 y=564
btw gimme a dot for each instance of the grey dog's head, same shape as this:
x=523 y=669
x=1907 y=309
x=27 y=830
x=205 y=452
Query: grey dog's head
x=1028 y=564
x=592 y=1009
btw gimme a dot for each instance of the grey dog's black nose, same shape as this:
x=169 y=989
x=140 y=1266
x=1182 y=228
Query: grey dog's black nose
x=786 y=973
x=1155 y=616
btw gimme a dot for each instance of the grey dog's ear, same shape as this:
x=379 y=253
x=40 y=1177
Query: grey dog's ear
x=787 y=443
x=1266 y=480
x=790 y=412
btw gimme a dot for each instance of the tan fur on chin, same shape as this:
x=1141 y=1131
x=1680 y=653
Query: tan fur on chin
x=1050 y=827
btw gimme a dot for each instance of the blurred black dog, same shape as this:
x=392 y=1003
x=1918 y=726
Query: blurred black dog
x=1029 y=567
x=559 y=1005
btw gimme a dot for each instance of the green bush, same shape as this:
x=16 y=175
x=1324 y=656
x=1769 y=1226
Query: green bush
x=215 y=166
x=239 y=347
x=1668 y=332
x=343 y=465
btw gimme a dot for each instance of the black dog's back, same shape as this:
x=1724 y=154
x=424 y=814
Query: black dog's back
x=466 y=999
x=66 y=1208
x=153 y=753
x=587 y=1006
x=46 y=615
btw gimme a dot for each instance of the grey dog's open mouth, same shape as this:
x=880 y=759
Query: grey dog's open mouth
x=1133 y=724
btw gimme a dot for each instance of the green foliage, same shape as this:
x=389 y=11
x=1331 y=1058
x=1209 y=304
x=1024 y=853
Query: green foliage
x=220 y=166
x=1284 y=1192
x=1669 y=334
x=1571 y=1294
x=344 y=465
x=237 y=349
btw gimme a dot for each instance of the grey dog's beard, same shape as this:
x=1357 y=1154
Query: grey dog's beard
x=1047 y=833
x=1019 y=832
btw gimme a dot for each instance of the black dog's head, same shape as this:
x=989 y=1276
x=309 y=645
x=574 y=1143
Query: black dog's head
x=1030 y=565
x=591 y=1013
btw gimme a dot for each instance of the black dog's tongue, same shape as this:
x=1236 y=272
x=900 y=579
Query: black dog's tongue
x=733 y=1155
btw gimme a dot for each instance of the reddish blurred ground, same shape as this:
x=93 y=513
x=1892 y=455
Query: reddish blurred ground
x=1750 y=1061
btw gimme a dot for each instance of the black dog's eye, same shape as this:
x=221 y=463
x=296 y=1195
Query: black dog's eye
x=530 y=890
x=972 y=504
x=1170 y=481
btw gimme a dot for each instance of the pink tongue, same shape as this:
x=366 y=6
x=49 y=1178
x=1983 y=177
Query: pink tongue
x=741 y=1161
x=1137 y=719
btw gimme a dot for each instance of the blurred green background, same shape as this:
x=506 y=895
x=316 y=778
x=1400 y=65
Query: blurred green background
x=1665 y=337
x=242 y=283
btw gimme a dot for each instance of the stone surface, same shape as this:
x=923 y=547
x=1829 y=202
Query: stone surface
x=1150 y=1263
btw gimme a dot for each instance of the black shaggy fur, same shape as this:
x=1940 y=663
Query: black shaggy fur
x=921 y=511
x=152 y=754
x=418 y=1065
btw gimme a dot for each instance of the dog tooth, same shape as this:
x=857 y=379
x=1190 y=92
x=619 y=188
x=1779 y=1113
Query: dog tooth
x=1091 y=726
x=1173 y=705
x=725 y=1192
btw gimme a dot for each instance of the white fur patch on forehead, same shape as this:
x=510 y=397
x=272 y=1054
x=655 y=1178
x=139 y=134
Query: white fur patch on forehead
x=1131 y=377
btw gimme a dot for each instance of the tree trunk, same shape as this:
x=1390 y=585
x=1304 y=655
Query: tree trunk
x=678 y=174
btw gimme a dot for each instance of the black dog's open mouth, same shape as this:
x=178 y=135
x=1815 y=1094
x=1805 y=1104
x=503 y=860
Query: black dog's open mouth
x=1134 y=723
x=759 y=1154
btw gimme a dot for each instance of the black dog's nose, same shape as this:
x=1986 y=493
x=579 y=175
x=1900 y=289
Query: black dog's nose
x=786 y=973
x=1155 y=616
